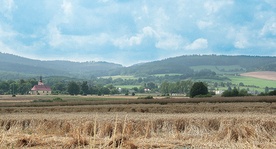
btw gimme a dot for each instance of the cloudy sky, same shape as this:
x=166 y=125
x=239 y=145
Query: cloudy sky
x=134 y=31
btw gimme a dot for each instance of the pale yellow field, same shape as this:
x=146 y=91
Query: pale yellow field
x=136 y=130
x=190 y=125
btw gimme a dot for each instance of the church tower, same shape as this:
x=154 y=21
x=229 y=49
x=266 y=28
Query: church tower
x=40 y=81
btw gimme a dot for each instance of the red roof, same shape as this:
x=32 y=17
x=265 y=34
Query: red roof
x=41 y=88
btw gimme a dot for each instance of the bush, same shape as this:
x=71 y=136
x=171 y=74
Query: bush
x=272 y=93
x=203 y=96
x=57 y=99
x=235 y=93
x=43 y=100
x=147 y=97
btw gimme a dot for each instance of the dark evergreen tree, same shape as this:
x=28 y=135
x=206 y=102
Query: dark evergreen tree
x=198 y=88
x=84 y=88
x=73 y=88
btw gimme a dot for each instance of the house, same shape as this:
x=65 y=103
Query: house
x=41 y=89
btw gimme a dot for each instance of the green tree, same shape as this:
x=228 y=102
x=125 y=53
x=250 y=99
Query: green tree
x=5 y=87
x=164 y=87
x=198 y=88
x=24 y=88
x=84 y=88
x=73 y=88
x=243 y=92
x=266 y=90
x=105 y=90
x=59 y=87
x=235 y=92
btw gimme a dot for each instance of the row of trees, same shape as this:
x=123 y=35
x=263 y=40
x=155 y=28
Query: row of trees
x=180 y=87
x=71 y=87
x=75 y=88
x=235 y=92
x=16 y=87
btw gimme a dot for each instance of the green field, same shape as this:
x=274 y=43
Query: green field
x=262 y=83
x=127 y=86
x=219 y=69
x=169 y=74
x=119 y=76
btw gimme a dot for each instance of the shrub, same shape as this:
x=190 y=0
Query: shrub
x=203 y=96
x=272 y=93
x=147 y=97
x=43 y=100
x=57 y=99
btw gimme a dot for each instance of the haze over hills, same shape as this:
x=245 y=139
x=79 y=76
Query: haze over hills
x=13 y=66
x=16 y=67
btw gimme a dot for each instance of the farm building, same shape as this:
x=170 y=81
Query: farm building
x=41 y=89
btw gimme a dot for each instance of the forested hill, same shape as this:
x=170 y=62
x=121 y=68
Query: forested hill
x=184 y=64
x=16 y=67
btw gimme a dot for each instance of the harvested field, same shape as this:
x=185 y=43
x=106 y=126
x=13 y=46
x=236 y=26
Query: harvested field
x=152 y=125
x=268 y=75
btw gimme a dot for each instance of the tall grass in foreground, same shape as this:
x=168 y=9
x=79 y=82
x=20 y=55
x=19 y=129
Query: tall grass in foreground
x=123 y=132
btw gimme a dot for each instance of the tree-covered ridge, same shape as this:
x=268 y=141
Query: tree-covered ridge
x=12 y=64
x=183 y=64
x=15 y=67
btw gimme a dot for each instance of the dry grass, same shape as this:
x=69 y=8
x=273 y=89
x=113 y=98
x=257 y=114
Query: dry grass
x=138 y=130
x=171 y=125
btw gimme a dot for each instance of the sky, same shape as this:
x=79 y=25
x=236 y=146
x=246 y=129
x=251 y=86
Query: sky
x=133 y=31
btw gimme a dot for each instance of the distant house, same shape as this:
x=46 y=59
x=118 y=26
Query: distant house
x=41 y=89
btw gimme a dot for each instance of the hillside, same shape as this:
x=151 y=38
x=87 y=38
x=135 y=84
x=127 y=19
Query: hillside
x=219 y=64
x=15 y=67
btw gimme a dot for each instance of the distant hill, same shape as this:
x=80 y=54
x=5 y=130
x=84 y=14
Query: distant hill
x=16 y=67
x=185 y=64
x=12 y=67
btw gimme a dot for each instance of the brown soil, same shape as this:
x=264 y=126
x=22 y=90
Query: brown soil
x=268 y=75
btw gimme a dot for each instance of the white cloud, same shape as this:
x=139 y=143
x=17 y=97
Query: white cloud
x=6 y=32
x=199 y=43
x=148 y=31
x=67 y=7
x=169 y=41
x=54 y=37
x=213 y=6
x=145 y=9
x=124 y=41
x=241 y=38
x=269 y=28
x=7 y=7
x=241 y=43
x=134 y=40
x=5 y=48
x=110 y=25
x=204 y=24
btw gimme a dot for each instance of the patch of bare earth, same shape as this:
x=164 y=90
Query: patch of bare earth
x=268 y=75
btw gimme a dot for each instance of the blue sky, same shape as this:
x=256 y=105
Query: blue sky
x=133 y=31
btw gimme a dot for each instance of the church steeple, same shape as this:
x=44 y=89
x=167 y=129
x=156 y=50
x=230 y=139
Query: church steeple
x=40 y=81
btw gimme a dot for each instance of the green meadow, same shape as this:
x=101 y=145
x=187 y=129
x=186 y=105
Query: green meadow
x=219 y=69
x=120 y=77
x=262 y=83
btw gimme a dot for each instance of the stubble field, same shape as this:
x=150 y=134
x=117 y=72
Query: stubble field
x=245 y=123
